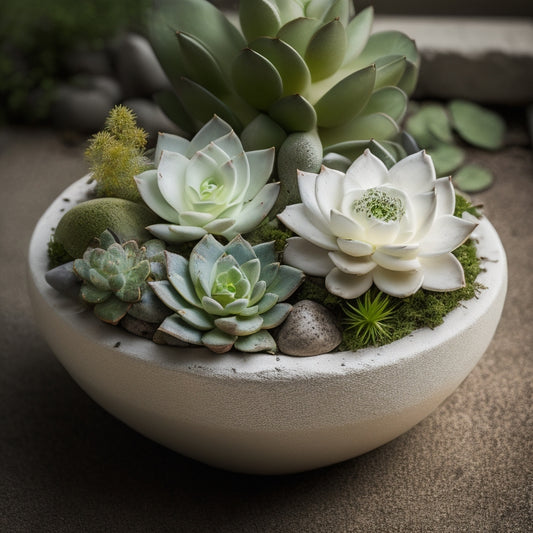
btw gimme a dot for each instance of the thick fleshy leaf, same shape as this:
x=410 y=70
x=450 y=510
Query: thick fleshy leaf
x=200 y=64
x=298 y=32
x=357 y=34
x=92 y=295
x=289 y=64
x=329 y=190
x=256 y=79
x=112 y=310
x=326 y=49
x=430 y=125
x=170 y=179
x=268 y=301
x=150 y=193
x=211 y=306
x=258 y=292
x=203 y=104
x=346 y=228
x=170 y=143
x=176 y=234
x=293 y=113
x=99 y=281
x=349 y=149
x=261 y=133
x=308 y=257
x=178 y=275
x=398 y=284
x=414 y=174
x=336 y=162
x=276 y=315
x=409 y=79
x=251 y=269
x=260 y=341
x=201 y=261
x=174 y=326
x=379 y=150
x=174 y=109
x=392 y=262
x=218 y=341
x=307 y=188
x=195 y=218
x=389 y=70
x=254 y=211
x=258 y=18
x=238 y=307
x=346 y=99
x=446 y=234
x=355 y=248
x=214 y=129
x=296 y=219
x=375 y=126
x=287 y=281
x=219 y=226
x=366 y=172
x=389 y=100
x=266 y=253
x=445 y=195
x=241 y=250
x=352 y=265
x=261 y=163
x=165 y=291
x=442 y=273
x=235 y=325
x=347 y=286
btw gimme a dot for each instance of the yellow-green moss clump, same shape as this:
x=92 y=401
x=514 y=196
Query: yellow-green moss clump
x=85 y=221
x=116 y=155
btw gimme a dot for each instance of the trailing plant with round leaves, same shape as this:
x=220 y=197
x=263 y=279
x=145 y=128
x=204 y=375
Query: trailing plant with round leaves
x=227 y=296
x=207 y=185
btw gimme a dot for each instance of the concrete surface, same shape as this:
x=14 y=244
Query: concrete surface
x=68 y=466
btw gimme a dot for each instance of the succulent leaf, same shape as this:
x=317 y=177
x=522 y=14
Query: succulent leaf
x=228 y=285
x=290 y=65
x=256 y=79
x=261 y=341
x=346 y=99
x=298 y=32
x=473 y=178
x=258 y=18
x=389 y=100
x=294 y=113
x=173 y=325
x=112 y=310
x=389 y=70
x=357 y=34
x=325 y=52
x=262 y=132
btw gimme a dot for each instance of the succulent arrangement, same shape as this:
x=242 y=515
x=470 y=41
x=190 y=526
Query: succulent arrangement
x=293 y=183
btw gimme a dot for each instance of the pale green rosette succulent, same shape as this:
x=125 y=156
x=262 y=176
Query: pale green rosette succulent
x=207 y=185
x=297 y=66
x=113 y=275
x=227 y=296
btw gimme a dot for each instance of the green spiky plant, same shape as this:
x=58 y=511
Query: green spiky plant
x=302 y=76
x=116 y=155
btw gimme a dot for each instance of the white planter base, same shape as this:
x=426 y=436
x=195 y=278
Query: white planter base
x=260 y=413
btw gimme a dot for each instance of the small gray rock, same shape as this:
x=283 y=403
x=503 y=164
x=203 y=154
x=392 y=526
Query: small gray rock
x=63 y=280
x=310 y=329
x=137 y=67
x=138 y=327
x=84 y=105
x=88 y=61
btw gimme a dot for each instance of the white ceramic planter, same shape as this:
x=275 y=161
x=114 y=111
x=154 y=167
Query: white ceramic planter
x=260 y=413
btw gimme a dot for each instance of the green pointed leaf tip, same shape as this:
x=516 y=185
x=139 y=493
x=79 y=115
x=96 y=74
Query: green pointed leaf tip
x=258 y=18
x=477 y=125
x=294 y=113
x=326 y=49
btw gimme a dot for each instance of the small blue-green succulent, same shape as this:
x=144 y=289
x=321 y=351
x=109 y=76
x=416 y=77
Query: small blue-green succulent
x=114 y=276
x=207 y=185
x=227 y=296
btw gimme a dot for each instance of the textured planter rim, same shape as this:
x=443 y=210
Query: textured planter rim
x=259 y=413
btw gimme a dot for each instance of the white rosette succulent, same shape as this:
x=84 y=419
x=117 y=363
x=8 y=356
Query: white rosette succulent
x=207 y=185
x=394 y=228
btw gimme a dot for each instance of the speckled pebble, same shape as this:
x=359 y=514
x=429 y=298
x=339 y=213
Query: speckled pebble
x=309 y=330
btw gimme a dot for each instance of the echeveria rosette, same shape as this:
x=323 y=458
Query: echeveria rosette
x=207 y=185
x=114 y=276
x=394 y=228
x=227 y=296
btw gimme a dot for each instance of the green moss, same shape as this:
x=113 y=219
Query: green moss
x=57 y=255
x=270 y=230
x=424 y=308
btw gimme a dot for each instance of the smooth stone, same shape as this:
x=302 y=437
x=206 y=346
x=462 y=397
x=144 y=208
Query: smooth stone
x=160 y=337
x=84 y=107
x=63 y=280
x=151 y=118
x=310 y=329
x=137 y=67
x=138 y=327
x=87 y=61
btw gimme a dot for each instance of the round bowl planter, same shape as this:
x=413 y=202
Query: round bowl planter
x=260 y=413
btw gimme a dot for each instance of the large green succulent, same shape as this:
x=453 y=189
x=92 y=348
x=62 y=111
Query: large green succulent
x=297 y=68
x=226 y=296
x=113 y=275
